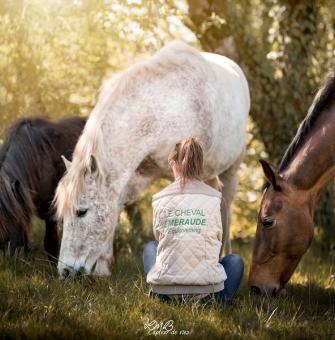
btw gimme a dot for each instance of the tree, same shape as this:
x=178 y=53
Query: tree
x=285 y=47
x=55 y=54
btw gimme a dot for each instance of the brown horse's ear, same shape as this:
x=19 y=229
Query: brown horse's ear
x=271 y=174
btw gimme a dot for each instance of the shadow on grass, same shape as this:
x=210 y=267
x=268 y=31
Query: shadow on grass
x=312 y=295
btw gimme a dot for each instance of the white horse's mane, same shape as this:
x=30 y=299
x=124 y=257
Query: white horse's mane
x=170 y=58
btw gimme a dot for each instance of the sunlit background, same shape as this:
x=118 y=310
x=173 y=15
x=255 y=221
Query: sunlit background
x=55 y=54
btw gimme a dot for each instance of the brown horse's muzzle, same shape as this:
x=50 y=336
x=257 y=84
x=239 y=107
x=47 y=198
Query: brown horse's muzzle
x=262 y=282
x=269 y=291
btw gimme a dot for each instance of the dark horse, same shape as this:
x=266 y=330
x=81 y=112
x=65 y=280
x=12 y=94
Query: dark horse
x=285 y=223
x=30 y=168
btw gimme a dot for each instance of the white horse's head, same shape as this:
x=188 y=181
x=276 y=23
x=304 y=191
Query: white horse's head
x=83 y=203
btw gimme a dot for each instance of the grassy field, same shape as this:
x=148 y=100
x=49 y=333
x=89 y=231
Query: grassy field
x=35 y=304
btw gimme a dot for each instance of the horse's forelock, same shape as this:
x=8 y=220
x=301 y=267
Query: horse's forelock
x=69 y=189
x=71 y=185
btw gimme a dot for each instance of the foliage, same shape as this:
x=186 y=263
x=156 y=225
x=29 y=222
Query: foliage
x=54 y=54
x=247 y=200
x=286 y=48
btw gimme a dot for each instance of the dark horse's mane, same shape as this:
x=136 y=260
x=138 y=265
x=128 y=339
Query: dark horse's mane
x=322 y=101
x=23 y=149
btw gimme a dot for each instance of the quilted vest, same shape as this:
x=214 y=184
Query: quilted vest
x=188 y=228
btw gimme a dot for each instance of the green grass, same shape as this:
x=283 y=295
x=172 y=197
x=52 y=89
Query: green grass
x=35 y=304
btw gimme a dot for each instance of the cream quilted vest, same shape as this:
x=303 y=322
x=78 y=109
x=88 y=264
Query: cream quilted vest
x=188 y=228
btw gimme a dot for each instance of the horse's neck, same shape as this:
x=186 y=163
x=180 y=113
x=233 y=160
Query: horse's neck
x=124 y=156
x=313 y=167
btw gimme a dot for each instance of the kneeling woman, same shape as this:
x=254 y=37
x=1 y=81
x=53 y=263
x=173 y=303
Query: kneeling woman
x=184 y=259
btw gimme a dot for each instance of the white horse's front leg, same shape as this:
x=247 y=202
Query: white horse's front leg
x=229 y=179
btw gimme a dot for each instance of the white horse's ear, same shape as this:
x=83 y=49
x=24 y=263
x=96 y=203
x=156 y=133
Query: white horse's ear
x=93 y=165
x=66 y=162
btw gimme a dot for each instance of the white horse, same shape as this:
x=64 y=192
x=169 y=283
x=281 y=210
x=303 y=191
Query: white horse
x=140 y=115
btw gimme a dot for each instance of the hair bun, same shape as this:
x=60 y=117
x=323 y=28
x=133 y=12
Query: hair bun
x=188 y=155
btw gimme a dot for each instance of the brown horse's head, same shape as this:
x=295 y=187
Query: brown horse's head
x=284 y=233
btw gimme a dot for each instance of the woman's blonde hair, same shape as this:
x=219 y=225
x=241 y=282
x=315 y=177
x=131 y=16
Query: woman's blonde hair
x=188 y=155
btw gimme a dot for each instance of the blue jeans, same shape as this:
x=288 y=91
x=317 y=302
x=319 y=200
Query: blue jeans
x=232 y=263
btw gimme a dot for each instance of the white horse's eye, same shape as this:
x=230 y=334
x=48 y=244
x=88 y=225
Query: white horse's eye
x=81 y=212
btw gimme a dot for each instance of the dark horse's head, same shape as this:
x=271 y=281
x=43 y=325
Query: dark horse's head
x=20 y=156
x=279 y=243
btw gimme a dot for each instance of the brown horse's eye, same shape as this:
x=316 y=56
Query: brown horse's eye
x=268 y=222
x=81 y=212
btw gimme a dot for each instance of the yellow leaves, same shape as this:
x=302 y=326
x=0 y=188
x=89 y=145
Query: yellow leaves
x=80 y=100
x=56 y=55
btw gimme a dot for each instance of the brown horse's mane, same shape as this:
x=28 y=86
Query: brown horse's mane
x=323 y=100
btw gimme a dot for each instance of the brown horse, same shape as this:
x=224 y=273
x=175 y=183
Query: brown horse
x=30 y=168
x=285 y=222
